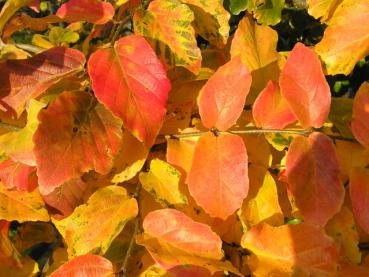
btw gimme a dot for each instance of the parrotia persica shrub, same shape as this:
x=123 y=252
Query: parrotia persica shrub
x=183 y=138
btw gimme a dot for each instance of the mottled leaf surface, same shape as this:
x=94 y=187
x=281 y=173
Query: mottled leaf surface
x=360 y=115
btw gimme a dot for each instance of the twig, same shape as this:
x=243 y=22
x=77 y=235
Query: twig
x=119 y=28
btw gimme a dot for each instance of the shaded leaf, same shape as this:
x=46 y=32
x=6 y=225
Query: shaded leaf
x=341 y=115
x=93 y=11
x=162 y=181
x=359 y=187
x=256 y=44
x=86 y=265
x=271 y=110
x=22 y=206
x=8 y=10
x=222 y=99
x=312 y=171
x=322 y=9
x=304 y=86
x=75 y=135
x=237 y=6
x=25 y=79
x=94 y=225
x=219 y=174
x=130 y=80
x=167 y=25
x=346 y=40
x=291 y=250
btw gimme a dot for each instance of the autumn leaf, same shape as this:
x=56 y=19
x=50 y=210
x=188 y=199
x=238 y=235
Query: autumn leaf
x=222 y=99
x=94 y=225
x=271 y=110
x=219 y=174
x=211 y=20
x=22 y=206
x=360 y=115
x=323 y=9
x=359 y=187
x=290 y=250
x=75 y=135
x=312 y=174
x=341 y=115
x=167 y=25
x=162 y=181
x=345 y=41
x=130 y=81
x=15 y=175
x=267 y=12
x=175 y=239
x=86 y=265
x=25 y=79
x=8 y=10
x=304 y=86
x=256 y=44
x=19 y=144
x=93 y=11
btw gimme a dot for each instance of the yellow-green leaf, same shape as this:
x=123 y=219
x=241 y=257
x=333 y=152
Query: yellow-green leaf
x=167 y=26
x=162 y=181
x=22 y=205
x=93 y=226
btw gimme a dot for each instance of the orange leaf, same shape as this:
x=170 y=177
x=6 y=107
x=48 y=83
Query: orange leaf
x=304 y=86
x=86 y=265
x=130 y=80
x=25 y=79
x=312 y=171
x=17 y=175
x=218 y=178
x=93 y=11
x=271 y=110
x=290 y=250
x=359 y=188
x=222 y=99
x=360 y=115
x=75 y=135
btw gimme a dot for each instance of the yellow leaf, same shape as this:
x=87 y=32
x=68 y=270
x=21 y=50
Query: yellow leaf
x=94 y=225
x=162 y=181
x=120 y=2
x=22 y=205
x=167 y=25
x=322 y=9
x=346 y=39
x=10 y=7
x=211 y=20
x=41 y=41
x=256 y=44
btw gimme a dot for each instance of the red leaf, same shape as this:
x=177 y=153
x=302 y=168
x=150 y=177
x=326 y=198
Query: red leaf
x=85 y=266
x=360 y=115
x=312 y=171
x=22 y=80
x=304 y=86
x=16 y=175
x=93 y=11
x=218 y=178
x=130 y=80
x=75 y=135
x=222 y=99
x=359 y=192
x=271 y=110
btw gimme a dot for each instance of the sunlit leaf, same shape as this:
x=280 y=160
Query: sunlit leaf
x=167 y=24
x=304 y=86
x=322 y=9
x=25 y=79
x=93 y=11
x=22 y=206
x=256 y=44
x=219 y=174
x=290 y=250
x=271 y=110
x=8 y=10
x=312 y=171
x=346 y=40
x=162 y=181
x=75 y=135
x=360 y=115
x=86 y=265
x=267 y=12
x=94 y=225
x=222 y=99
x=130 y=80
x=15 y=175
